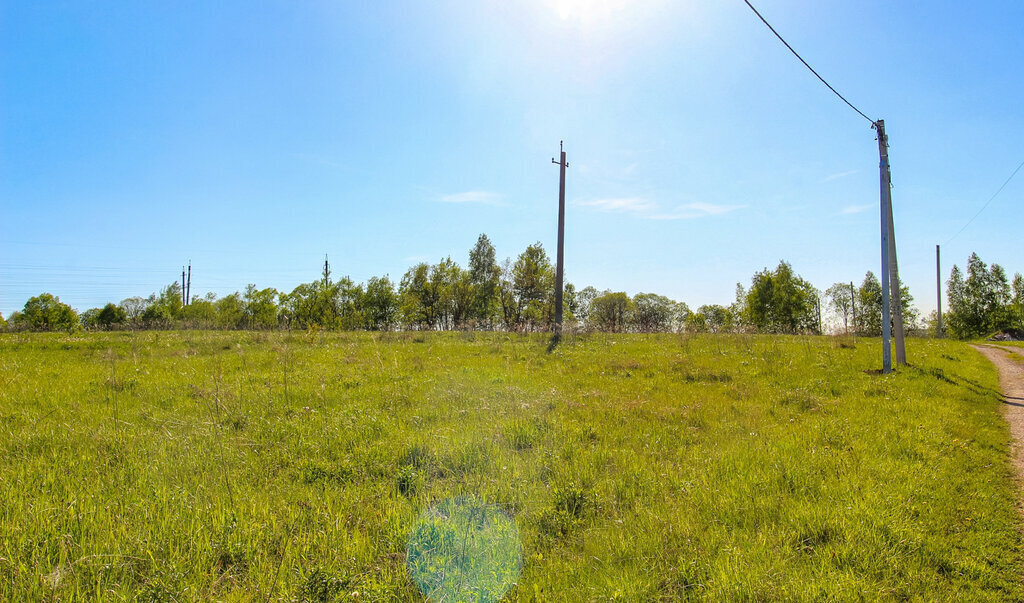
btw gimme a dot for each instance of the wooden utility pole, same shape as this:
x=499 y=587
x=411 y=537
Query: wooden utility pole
x=560 y=260
x=883 y=170
x=327 y=271
x=188 y=287
x=938 y=292
x=183 y=285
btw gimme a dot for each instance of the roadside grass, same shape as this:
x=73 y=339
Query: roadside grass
x=271 y=466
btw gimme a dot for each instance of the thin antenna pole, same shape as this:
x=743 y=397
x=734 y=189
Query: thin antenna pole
x=188 y=287
x=327 y=271
x=853 y=308
x=818 y=303
x=938 y=291
x=560 y=259
x=883 y=170
x=183 y=285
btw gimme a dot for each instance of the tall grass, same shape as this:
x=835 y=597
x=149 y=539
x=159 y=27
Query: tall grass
x=255 y=466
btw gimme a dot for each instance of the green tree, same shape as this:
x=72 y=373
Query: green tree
x=260 y=308
x=779 y=301
x=346 y=295
x=570 y=304
x=16 y=322
x=380 y=304
x=840 y=300
x=450 y=286
x=511 y=312
x=484 y=277
x=201 y=312
x=418 y=298
x=133 y=308
x=533 y=283
x=738 y=309
x=161 y=310
x=110 y=316
x=653 y=313
x=230 y=311
x=869 y=307
x=611 y=311
x=710 y=318
x=48 y=313
x=1017 y=302
x=87 y=319
x=681 y=315
x=584 y=298
x=979 y=304
x=3 y=323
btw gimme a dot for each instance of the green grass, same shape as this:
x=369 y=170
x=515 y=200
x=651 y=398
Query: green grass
x=249 y=466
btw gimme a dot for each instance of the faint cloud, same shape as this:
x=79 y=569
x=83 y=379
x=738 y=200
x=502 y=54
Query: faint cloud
x=856 y=209
x=840 y=175
x=691 y=211
x=619 y=204
x=322 y=160
x=480 y=197
x=650 y=210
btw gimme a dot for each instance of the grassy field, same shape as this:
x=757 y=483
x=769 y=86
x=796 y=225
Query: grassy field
x=246 y=466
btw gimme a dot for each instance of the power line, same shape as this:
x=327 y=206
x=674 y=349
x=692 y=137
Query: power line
x=987 y=203
x=797 y=55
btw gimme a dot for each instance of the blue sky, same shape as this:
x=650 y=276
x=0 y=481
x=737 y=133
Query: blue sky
x=253 y=138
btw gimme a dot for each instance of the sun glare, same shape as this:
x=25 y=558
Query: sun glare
x=587 y=10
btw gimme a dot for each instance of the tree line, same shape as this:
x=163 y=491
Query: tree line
x=518 y=296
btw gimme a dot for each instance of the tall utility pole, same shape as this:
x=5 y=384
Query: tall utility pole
x=183 y=285
x=894 y=270
x=327 y=271
x=883 y=170
x=188 y=287
x=938 y=292
x=560 y=261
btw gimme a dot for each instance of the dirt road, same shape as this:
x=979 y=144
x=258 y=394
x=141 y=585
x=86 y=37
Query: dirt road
x=1011 y=382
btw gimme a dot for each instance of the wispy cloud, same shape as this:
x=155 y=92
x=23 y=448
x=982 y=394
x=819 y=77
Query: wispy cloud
x=619 y=204
x=856 y=209
x=647 y=209
x=480 y=197
x=839 y=175
x=691 y=211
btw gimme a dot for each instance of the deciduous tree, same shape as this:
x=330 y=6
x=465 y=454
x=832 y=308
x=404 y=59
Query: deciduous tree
x=611 y=311
x=779 y=301
x=484 y=277
x=48 y=313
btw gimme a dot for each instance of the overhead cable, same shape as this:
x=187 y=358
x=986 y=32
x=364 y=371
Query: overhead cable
x=797 y=55
x=1007 y=181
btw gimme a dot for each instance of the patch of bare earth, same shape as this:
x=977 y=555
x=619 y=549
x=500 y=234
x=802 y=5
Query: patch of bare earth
x=1011 y=382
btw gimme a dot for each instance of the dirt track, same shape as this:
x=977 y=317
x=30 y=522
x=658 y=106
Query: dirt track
x=1011 y=382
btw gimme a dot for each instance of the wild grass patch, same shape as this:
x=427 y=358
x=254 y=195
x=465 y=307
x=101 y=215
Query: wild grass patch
x=270 y=466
